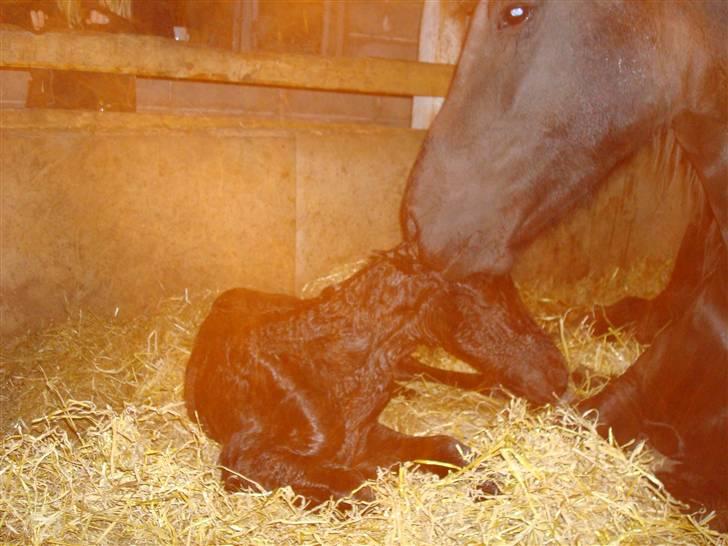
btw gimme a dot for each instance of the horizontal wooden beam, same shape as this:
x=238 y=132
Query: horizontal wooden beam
x=38 y=119
x=156 y=57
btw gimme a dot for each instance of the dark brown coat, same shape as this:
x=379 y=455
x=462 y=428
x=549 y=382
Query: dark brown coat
x=293 y=388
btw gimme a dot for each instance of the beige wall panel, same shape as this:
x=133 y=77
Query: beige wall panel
x=122 y=209
x=96 y=221
x=13 y=88
x=349 y=190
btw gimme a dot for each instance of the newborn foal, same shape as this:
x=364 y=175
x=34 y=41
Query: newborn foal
x=293 y=388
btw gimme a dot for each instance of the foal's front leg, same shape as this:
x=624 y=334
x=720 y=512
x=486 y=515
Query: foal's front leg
x=484 y=381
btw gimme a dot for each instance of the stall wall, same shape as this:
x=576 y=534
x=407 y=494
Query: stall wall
x=111 y=212
x=329 y=28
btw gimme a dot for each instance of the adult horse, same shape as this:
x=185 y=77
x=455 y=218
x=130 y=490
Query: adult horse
x=548 y=98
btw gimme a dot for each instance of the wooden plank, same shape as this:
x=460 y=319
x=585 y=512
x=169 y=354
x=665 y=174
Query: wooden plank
x=156 y=57
x=36 y=119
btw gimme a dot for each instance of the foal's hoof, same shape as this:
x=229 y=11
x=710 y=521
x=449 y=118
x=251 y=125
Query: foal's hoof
x=233 y=482
x=449 y=451
x=486 y=489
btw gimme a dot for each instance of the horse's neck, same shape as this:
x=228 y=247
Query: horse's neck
x=701 y=113
x=715 y=18
x=705 y=141
x=716 y=12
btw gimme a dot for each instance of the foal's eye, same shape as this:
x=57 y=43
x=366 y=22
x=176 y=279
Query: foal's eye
x=514 y=15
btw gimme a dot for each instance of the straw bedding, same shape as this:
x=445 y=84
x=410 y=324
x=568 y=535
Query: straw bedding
x=97 y=448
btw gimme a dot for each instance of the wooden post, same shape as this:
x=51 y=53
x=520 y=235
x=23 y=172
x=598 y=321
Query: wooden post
x=442 y=33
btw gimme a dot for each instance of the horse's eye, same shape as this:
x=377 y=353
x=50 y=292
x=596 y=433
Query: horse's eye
x=514 y=15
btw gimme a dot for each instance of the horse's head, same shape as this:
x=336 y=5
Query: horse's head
x=549 y=96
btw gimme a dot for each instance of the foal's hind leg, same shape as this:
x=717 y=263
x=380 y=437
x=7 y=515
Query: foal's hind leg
x=246 y=307
x=386 y=447
x=272 y=466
